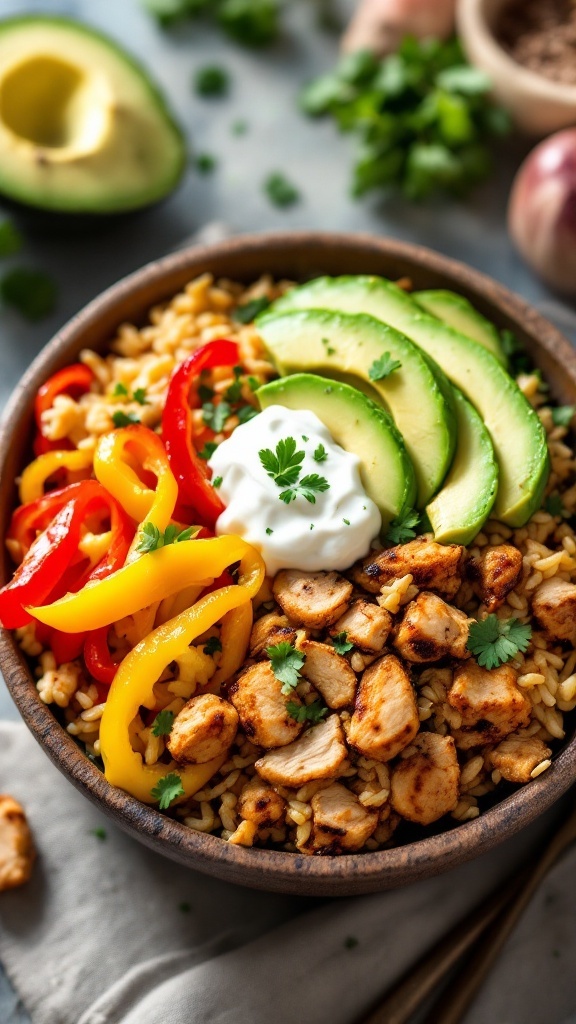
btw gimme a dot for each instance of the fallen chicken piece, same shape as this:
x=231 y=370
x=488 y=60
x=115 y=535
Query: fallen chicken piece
x=17 y=852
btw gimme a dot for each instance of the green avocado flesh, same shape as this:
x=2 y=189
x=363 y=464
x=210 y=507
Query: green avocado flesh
x=455 y=311
x=359 y=426
x=342 y=346
x=517 y=435
x=82 y=128
x=462 y=506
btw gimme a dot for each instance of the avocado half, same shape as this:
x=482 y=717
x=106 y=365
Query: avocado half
x=83 y=130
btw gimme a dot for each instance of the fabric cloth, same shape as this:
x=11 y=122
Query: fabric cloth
x=107 y=932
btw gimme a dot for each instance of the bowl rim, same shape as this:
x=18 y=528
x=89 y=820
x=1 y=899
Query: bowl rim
x=473 y=22
x=261 y=868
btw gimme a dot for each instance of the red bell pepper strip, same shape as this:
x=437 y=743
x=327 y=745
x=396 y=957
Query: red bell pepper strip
x=74 y=380
x=98 y=657
x=31 y=519
x=190 y=471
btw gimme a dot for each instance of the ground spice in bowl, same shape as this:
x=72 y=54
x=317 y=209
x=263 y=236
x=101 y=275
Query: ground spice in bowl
x=541 y=35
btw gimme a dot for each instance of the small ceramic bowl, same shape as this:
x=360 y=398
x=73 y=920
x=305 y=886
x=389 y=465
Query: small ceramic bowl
x=297 y=256
x=538 y=105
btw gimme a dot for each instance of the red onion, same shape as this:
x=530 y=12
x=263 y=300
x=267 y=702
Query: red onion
x=542 y=210
x=380 y=25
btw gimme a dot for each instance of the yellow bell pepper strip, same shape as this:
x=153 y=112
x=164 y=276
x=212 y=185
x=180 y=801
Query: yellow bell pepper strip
x=152 y=577
x=38 y=472
x=234 y=637
x=133 y=686
x=116 y=456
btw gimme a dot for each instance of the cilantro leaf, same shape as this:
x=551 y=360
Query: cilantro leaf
x=162 y=724
x=252 y=23
x=249 y=311
x=11 y=240
x=254 y=383
x=311 y=484
x=211 y=81
x=563 y=415
x=31 y=292
x=208 y=450
x=286 y=663
x=280 y=191
x=314 y=712
x=140 y=396
x=124 y=419
x=205 y=163
x=269 y=531
x=217 y=481
x=246 y=413
x=215 y=416
x=283 y=466
x=341 y=643
x=213 y=645
x=205 y=394
x=401 y=528
x=320 y=454
x=494 y=641
x=120 y=390
x=553 y=505
x=100 y=833
x=152 y=539
x=168 y=789
x=383 y=367
x=234 y=392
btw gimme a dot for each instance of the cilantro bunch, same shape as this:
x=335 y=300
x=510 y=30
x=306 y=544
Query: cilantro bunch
x=423 y=116
x=252 y=23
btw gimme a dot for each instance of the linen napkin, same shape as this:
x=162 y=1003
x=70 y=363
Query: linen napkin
x=108 y=932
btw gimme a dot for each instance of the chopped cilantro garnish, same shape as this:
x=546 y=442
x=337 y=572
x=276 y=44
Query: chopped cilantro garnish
x=280 y=191
x=215 y=416
x=553 y=505
x=254 y=383
x=311 y=526
x=304 y=438
x=252 y=23
x=10 y=239
x=31 y=292
x=285 y=466
x=120 y=390
x=208 y=450
x=401 y=528
x=494 y=641
x=330 y=351
x=213 y=645
x=307 y=488
x=269 y=531
x=124 y=419
x=383 y=367
x=168 y=790
x=162 y=724
x=205 y=394
x=563 y=415
x=320 y=454
x=249 y=311
x=152 y=538
x=140 y=396
x=217 y=481
x=234 y=392
x=346 y=522
x=205 y=163
x=341 y=643
x=100 y=833
x=239 y=127
x=286 y=663
x=314 y=712
x=211 y=81
x=245 y=413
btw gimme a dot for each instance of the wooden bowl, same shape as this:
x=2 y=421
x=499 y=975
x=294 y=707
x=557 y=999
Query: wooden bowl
x=298 y=256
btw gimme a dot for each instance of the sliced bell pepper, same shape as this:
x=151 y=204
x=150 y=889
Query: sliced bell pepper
x=133 y=686
x=74 y=380
x=97 y=656
x=37 y=473
x=190 y=471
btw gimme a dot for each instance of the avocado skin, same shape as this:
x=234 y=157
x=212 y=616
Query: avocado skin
x=47 y=217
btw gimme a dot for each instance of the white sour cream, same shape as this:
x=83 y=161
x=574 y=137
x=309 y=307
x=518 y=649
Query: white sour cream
x=330 y=534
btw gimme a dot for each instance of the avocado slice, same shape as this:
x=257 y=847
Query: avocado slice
x=342 y=346
x=463 y=504
x=515 y=429
x=455 y=311
x=358 y=425
x=82 y=127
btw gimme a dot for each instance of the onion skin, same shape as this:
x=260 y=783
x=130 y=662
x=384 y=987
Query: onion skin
x=380 y=25
x=542 y=211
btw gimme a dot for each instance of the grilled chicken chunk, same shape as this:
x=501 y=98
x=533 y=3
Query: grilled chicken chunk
x=495 y=573
x=385 y=717
x=318 y=754
x=432 y=629
x=425 y=784
x=313 y=599
x=205 y=728
x=433 y=566
x=340 y=824
x=366 y=626
x=268 y=631
x=554 y=605
x=517 y=756
x=329 y=673
x=17 y=853
x=261 y=804
x=257 y=696
x=490 y=703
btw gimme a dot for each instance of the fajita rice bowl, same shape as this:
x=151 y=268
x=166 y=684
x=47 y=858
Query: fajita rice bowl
x=389 y=720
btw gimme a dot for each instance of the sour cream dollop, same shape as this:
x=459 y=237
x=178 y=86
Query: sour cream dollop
x=332 y=533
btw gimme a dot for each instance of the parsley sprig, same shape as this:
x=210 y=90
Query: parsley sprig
x=341 y=643
x=124 y=419
x=383 y=367
x=284 y=467
x=403 y=527
x=213 y=645
x=167 y=790
x=162 y=724
x=152 y=538
x=494 y=641
x=286 y=662
x=313 y=712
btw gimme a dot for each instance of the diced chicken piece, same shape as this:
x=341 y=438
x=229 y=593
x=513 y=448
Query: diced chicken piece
x=554 y=605
x=385 y=717
x=257 y=696
x=313 y=599
x=204 y=729
x=329 y=673
x=517 y=757
x=318 y=754
x=340 y=824
x=433 y=566
x=432 y=629
x=425 y=784
x=495 y=573
x=268 y=631
x=366 y=626
x=490 y=703
x=261 y=804
x=17 y=853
